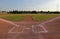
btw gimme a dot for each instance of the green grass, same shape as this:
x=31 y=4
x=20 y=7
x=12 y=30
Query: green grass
x=43 y=17
x=13 y=17
x=21 y=17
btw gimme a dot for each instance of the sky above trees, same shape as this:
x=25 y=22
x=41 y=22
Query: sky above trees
x=45 y=5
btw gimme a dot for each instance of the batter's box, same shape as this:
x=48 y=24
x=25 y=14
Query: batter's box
x=16 y=29
x=34 y=28
x=39 y=29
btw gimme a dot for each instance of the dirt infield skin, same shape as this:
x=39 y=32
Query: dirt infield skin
x=52 y=27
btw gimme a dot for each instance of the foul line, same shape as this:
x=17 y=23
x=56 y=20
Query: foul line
x=15 y=25
x=41 y=25
x=9 y=22
x=50 y=20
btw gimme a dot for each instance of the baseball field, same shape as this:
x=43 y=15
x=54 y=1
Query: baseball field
x=29 y=26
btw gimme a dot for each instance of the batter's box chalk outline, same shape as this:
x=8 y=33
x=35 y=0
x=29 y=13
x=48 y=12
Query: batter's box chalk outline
x=11 y=30
x=43 y=31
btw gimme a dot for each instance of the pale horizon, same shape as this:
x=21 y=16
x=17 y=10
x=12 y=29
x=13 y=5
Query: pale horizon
x=29 y=5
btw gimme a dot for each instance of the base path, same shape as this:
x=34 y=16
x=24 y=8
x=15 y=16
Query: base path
x=28 y=27
x=18 y=30
x=9 y=30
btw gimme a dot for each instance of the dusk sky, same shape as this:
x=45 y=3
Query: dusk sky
x=29 y=5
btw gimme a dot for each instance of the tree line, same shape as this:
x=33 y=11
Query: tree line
x=33 y=12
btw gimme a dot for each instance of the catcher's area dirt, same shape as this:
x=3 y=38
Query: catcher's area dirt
x=52 y=27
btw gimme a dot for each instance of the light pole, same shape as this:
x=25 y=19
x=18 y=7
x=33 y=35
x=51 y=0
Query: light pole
x=57 y=6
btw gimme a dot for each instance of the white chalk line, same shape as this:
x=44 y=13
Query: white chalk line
x=51 y=20
x=11 y=29
x=39 y=25
x=43 y=31
x=15 y=25
x=10 y=22
x=22 y=22
x=47 y=22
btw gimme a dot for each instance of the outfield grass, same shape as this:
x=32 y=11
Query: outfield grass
x=12 y=17
x=21 y=17
x=43 y=17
